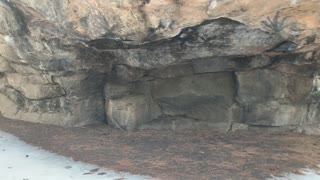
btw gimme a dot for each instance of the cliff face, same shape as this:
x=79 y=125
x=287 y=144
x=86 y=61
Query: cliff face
x=161 y=64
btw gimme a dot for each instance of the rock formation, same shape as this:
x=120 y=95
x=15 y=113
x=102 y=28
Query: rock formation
x=162 y=64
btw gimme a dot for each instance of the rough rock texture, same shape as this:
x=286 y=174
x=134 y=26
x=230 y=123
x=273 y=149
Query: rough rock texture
x=217 y=64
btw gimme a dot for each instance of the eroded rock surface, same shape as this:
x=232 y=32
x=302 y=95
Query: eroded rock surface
x=217 y=64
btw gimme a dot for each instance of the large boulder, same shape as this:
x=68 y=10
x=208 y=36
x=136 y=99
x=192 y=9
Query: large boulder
x=275 y=97
x=276 y=84
x=206 y=97
x=35 y=86
x=131 y=111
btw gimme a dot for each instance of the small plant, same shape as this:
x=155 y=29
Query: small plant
x=275 y=25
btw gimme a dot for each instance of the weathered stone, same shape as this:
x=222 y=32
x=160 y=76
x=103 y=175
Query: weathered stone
x=172 y=123
x=81 y=86
x=309 y=129
x=24 y=69
x=219 y=64
x=313 y=114
x=58 y=111
x=272 y=113
x=131 y=111
x=238 y=127
x=4 y=65
x=204 y=97
x=183 y=123
x=117 y=89
x=147 y=58
x=56 y=55
x=126 y=73
x=16 y=108
x=143 y=88
x=263 y=85
x=172 y=71
x=307 y=71
x=215 y=85
x=8 y=22
x=8 y=53
x=35 y=86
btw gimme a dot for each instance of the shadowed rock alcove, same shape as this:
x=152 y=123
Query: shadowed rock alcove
x=151 y=65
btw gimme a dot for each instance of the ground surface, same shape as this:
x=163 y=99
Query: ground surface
x=177 y=155
x=20 y=161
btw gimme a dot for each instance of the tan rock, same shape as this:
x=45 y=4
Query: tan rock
x=131 y=111
x=4 y=65
x=35 y=86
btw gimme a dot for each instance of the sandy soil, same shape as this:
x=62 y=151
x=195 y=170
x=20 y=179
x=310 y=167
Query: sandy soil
x=255 y=154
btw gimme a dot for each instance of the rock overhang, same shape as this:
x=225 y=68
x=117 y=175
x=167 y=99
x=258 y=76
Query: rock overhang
x=165 y=63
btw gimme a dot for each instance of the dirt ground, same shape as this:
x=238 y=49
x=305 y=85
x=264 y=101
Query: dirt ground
x=193 y=155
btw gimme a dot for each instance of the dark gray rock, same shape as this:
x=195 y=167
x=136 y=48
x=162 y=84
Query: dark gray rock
x=125 y=73
x=117 y=89
x=204 y=97
x=131 y=111
x=264 y=85
x=313 y=114
x=172 y=71
x=272 y=113
x=219 y=64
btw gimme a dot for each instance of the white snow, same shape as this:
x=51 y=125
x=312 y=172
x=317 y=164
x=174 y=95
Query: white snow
x=20 y=161
x=294 y=2
x=213 y=4
x=306 y=174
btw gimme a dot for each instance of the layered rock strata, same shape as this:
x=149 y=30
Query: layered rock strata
x=166 y=64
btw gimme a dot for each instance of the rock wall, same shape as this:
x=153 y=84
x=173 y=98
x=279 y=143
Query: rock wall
x=166 y=64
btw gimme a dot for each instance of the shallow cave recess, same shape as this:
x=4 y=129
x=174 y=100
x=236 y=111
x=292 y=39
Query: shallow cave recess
x=220 y=75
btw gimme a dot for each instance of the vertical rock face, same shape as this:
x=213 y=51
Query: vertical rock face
x=166 y=64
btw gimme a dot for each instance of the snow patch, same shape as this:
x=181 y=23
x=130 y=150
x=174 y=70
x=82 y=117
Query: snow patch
x=19 y=160
x=213 y=4
x=294 y=2
x=306 y=174
x=9 y=40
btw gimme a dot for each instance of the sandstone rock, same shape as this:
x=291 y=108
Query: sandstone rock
x=272 y=113
x=309 y=130
x=8 y=21
x=164 y=19
x=117 y=89
x=81 y=85
x=219 y=64
x=24 y=69
x=177 y=123
x=160 y=58
x=8 y=53
x=313 y=114
x=204 y=97
x=4 y=65
x=35 y=86
x=172 y=71
x=126 y=73
x=215 y=85
x=58 y=111
x=15 y=109
x=264 y=85
x=239 y=127
x=174 y=123
x=131 y=111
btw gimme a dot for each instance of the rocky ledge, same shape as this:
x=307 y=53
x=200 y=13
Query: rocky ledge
x=169 y=64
